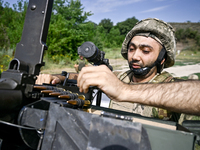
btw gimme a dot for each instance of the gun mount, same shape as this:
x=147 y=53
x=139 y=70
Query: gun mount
x=43 y=117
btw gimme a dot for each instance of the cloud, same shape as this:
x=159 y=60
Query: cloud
x=102 y=6
x=155 y=9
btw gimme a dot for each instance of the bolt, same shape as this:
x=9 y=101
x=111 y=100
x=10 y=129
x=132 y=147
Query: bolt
x=87 y=49
x=35 y=78
x=33 y=7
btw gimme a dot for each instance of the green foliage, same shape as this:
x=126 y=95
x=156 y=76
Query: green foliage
x=183 y=34
x=4 y=40
x=114 y=38
x=127 y=25
x=68 y=29
x=99 y=37
x=197 y=38
x=71 y=10
x=11 y=23
x=5 y=58
x=106 y=24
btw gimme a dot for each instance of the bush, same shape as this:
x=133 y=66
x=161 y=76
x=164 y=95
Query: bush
x=4 y=61
x=183 y=34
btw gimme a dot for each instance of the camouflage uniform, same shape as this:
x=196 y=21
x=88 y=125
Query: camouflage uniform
x=163 y=33
x=81 y=63
x=143 y=110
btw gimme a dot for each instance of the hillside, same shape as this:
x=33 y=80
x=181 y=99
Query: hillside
x=189 y=43
x=185 y=25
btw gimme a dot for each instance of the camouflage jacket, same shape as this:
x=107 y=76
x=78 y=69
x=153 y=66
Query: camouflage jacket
x=81 y=63
x=144 y=110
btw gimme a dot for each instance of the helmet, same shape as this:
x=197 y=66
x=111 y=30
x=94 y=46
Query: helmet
x=160 y=31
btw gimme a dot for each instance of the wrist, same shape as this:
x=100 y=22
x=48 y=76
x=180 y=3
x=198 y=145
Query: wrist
x=123 y=93
x=129 y=93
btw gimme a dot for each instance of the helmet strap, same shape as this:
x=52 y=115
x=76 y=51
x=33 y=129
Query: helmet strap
x=161 y=56
x=145 y=70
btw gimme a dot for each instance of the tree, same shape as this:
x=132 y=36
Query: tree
x=17 y=23
x=71 y=10
x=68 y=29
x=114 y=37
x=127 y=25
x=106 y=24
x=12 y=22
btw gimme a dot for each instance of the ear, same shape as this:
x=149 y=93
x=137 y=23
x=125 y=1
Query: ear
x=162 y=61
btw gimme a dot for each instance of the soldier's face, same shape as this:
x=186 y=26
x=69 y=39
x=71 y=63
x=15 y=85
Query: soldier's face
x=143 y=51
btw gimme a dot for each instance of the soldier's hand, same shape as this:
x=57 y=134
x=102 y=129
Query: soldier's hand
x=103 y=78
x=47 y=78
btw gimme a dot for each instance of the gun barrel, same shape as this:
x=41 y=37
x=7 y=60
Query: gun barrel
x=10 y=99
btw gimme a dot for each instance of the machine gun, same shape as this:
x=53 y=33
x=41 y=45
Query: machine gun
x=62 y=118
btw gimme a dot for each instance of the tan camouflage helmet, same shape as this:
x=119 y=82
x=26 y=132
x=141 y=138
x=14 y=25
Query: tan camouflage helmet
x=157 y=29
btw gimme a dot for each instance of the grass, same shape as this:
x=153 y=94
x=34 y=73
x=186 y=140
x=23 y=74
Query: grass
x=61 y=63
x=112 y=53
x=187 y=57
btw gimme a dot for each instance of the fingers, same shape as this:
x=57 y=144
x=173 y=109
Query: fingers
x=90 y=79
x=43 y=78
x=93 y=76
x=56 y=80
x=103 y=78
x=84 y=71
x=92 y=69
x=47 y=78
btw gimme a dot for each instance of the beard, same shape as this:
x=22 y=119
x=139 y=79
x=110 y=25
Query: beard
x=142 y=74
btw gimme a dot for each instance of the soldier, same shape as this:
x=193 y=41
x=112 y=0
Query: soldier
x=149 y=36
x=149 y=47
x=80 y=63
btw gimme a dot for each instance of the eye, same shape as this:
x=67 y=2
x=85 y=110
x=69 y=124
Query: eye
x=146 y=52
x=131 y=48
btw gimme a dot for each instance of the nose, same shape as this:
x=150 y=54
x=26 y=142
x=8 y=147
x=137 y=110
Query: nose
x=136 y=55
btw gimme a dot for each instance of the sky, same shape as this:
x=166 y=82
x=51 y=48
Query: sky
x=120 y=10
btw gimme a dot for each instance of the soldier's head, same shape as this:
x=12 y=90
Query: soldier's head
x=81 y=57
x=149 y=47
